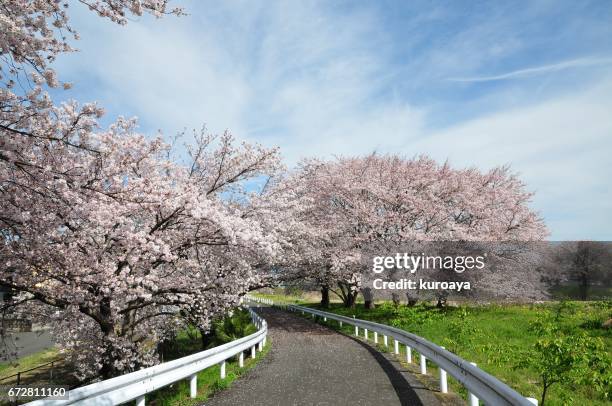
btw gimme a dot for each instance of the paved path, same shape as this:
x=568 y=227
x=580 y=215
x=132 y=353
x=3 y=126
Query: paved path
x=309 y=364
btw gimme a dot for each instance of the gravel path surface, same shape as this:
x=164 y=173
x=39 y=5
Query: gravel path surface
x=309 y=364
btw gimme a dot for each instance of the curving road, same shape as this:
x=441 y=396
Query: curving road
x=309 y=364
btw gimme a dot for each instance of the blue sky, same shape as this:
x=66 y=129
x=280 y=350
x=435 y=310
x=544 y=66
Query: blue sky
x=479 y=83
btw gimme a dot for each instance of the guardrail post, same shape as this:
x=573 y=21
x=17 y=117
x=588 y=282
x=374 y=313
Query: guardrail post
x=533 y=400
x=140 y=401
x=253 y=352
x=472 y=399
x=340 y=323
x=443 y=382
x=223 y=370
x=408 y=354
x=241 y=359
x=385 y=341
x=396 y=346
x=365 y=334
x=376 y=337
x=423 y=364
x=260 y=344
x=193 y=386
x=356 y=331
x=324 y=318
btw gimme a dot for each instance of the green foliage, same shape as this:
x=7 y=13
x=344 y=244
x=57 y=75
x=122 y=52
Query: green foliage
x=462 y=331
x=498 y=354
x=564 y=354
x=407 y=317
x=185 y=342
x=565 y=359
x=232 y=327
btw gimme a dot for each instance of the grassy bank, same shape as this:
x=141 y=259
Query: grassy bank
x=41 y=368
x=497 y=338
x=28 y=362
x=209 y=382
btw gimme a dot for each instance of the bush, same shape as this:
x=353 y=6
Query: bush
x=566 y=355
x=232 y=327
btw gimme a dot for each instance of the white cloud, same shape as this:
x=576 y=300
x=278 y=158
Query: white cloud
x=560 y=147
x=521 y=73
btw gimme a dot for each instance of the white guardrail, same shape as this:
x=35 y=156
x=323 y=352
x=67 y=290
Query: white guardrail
x=135 y=385
x=480 y=385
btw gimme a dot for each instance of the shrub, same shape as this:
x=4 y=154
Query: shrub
x=231 y=327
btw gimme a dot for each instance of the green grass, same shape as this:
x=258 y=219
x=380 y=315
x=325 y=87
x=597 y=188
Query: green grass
x=27 y=362
x=493 y=336
x=209 y=382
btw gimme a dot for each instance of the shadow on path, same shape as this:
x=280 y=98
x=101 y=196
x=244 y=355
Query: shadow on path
x=404 y=390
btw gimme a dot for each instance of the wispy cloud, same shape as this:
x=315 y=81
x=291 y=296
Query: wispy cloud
x=324 y=79
x=538 y=70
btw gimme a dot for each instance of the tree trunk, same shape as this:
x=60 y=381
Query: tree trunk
x=203 y=338
x=104 y=315
x=108 y=369
x=442 y=299
x=325 y=297
x=349 y=297
x=544 y=395
x=584 y=286
x=368 y=298
x=351 y=300
x=411 y=298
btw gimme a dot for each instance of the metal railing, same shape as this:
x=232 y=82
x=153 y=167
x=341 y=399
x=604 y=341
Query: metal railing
x=135 y=385
x=480 y=385
x=18 y=375
x=259 y=300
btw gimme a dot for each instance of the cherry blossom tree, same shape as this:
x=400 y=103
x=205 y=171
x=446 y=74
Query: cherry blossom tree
x=127 y=240
x=104 y=236
x=32 y=35
x=373 y=203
